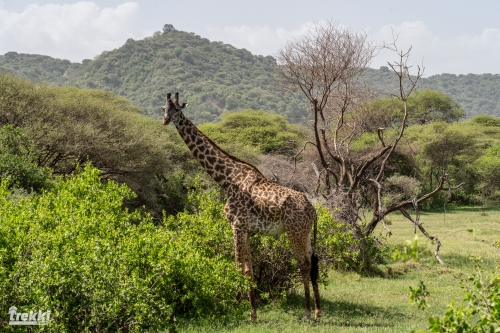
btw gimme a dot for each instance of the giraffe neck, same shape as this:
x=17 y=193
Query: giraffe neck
x=224 y=168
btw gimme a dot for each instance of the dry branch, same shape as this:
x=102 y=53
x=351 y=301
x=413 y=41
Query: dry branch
x=325 y=66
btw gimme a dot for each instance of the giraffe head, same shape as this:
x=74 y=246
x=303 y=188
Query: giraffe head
x=172 y=109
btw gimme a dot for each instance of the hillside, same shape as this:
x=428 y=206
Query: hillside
x=38 y=67
x=215 y=77
x=478 y=94
x=212 y=76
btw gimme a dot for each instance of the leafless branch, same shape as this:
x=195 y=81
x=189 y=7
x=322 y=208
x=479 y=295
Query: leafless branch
x=394 y=207
x=426 y=234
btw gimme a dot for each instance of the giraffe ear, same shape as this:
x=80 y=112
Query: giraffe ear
x=184 y=105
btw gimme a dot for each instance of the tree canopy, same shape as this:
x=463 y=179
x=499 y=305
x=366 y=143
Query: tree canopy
x=267 y=133
x=69 y=126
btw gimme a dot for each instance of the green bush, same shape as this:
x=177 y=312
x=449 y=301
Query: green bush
x=336 y=245
x=75 y=251
x=69 y=125
x=480 y=314
x=18 y=162
x=267 y=133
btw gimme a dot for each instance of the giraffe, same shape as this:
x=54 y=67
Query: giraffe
x=254 y=205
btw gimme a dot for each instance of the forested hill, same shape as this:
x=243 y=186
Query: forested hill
x=211 y=76
x=478 y=94
x=215 y=77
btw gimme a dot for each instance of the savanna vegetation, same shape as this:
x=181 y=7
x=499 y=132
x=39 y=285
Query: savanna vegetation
x=106 y=220
x=216 y=77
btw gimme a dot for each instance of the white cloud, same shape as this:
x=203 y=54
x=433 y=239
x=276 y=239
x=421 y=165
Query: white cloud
x=73 y=31
x=259 y=40
x=459 y=55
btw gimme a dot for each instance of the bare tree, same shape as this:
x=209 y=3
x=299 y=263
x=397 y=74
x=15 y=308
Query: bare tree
x=326 y=65
x=322 y=65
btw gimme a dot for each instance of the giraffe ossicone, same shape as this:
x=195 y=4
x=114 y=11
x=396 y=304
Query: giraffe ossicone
x=254 y=204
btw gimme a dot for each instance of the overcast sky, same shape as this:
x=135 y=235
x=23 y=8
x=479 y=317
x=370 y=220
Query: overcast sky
x=459 y=36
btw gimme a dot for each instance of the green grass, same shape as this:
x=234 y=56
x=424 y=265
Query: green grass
x=355 y=303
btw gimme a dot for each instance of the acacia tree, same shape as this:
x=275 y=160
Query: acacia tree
x=325 y=65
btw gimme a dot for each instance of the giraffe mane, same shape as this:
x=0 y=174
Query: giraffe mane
x=225 y=152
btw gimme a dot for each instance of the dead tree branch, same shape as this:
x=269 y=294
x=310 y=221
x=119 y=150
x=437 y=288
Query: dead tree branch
x=426 y=234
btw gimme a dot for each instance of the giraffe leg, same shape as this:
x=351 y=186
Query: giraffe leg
x=244 y=261
x=314 y=280
x=301 y=249
x=305 y=269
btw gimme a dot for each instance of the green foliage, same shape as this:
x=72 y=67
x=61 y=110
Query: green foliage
x=487 y=167
x=172 y=195
x=336 y=245
x=427 y=105
x=476 y=93
x=38 y=67
x=424 y=106
x=18 y=163
x=71 y=125
x=419 y=295
x=486 y=121
x=75 y=251
x=467 y=151
x=265 y=132
x=481 y=313
x=410 y=251
x=398 y=188
x=380 y=113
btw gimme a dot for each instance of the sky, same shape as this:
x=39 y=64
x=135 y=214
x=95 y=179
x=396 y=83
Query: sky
x=457 y=37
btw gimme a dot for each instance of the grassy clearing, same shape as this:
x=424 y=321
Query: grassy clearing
x=354 y=303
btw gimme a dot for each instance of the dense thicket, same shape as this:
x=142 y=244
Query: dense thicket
x=38 y=67
x=215 y=77
x=18 y=161
x=468 y=151
x=75 y=251
x=70 y=126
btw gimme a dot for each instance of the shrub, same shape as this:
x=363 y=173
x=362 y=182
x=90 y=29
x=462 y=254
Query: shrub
x=481 y=313
x=336 y=245
x=70 y=124
x=75 y=251
x=267 y=133
x=18 y=162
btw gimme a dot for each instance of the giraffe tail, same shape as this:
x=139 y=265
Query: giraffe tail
x=314 y=258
